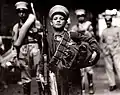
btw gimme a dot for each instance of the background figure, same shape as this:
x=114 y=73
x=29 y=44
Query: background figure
x=27 y=39
x=67 y=26
x=110 y=44
x=85 y=27
x=3 y=83
x=1 y=46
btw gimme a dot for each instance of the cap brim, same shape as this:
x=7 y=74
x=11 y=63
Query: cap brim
x=21 y=8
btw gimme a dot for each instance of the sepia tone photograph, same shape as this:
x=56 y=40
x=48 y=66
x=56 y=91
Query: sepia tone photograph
x=59 y=47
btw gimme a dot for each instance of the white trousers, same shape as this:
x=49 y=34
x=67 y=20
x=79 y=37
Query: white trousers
x=109 y=62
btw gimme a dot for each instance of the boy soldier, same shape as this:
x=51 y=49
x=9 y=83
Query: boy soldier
x=110 y=44
x=26 y=37
x=62 y=49
x=58 y=19
x=83 y=26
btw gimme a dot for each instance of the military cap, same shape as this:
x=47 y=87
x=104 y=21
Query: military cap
x=80 y=12
x=59 y=9
x=21 y=4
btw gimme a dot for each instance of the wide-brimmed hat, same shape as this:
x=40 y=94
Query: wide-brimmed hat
x=107 y=13
x=80 y=12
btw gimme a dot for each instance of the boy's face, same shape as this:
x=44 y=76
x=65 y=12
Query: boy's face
x=58 y=21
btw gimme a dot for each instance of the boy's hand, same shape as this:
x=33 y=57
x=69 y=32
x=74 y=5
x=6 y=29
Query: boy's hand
x=93 y=57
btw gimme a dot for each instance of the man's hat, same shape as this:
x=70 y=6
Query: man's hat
x=107 y=13
x=21 y=4
x=80 y=12
x=58 y=9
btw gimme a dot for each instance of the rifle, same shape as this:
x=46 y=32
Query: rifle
x=50 y=85
x=44 y=84
x=45 y=58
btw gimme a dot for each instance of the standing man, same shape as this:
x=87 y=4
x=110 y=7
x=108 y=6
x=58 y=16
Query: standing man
x=27 y=39
x=85 y=27
x=110 y=40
